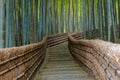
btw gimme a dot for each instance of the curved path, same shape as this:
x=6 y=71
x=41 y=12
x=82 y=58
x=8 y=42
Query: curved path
x=60 y=65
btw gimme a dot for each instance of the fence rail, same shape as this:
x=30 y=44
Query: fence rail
x=21 y=60
x=97 y=61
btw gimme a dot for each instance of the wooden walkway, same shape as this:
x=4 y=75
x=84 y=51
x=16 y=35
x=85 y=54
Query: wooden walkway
x=60 y=66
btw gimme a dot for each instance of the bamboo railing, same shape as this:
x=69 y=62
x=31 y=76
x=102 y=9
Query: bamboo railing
x=97 y=61
x=20 y=63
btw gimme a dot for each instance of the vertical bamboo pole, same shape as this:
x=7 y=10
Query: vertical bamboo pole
x=2 y=24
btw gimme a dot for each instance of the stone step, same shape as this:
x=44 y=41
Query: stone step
x=76 y=79
x=61 y=62
x=61 y=66
x=54 y=54
x=59 y=58
x=61 y=69
x=68 y=77
x=55 y=60
x=61 y=72
x=60 y=55
x=58 y=51
x=75 y=75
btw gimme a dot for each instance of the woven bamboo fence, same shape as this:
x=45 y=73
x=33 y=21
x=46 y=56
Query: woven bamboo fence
x=100 y=57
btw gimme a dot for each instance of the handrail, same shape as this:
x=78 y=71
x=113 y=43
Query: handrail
x=60 y=38
x=84 y=48
x=23 y=74
x=23 y=61
x=18 y=56
x=56 y=39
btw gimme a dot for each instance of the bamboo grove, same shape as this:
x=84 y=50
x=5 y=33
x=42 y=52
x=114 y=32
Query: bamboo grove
x=28 y=21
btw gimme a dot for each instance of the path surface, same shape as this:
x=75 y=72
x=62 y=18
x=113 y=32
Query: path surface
x=61 y=66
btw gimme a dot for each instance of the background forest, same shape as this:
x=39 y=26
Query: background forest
x=28 y=21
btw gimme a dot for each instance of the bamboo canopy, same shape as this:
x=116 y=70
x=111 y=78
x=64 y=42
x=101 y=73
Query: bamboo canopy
x=28 y=21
